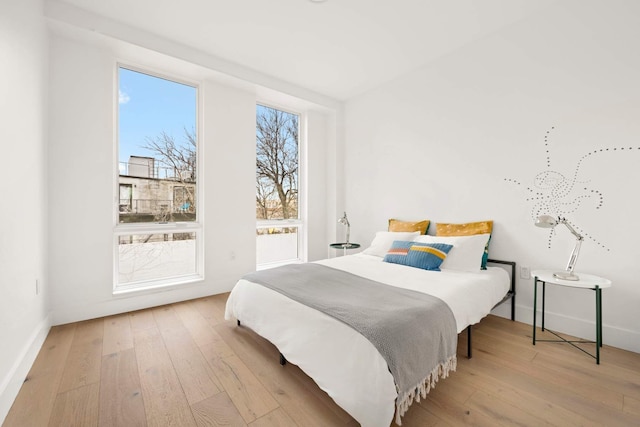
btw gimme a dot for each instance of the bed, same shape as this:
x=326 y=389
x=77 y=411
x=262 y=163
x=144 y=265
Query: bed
x=342 y=361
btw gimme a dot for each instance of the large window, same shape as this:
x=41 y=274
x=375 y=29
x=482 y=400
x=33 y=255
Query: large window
x=157 y=239
x=278 y=199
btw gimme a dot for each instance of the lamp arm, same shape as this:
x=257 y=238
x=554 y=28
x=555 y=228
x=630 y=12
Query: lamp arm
x=348 y=229
x=574 y=255
x=576 y=249
x=571 y=229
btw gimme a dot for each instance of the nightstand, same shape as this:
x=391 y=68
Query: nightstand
x=587 y=281
x=345 y=246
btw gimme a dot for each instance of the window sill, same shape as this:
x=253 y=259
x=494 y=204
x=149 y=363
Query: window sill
x=157 y=286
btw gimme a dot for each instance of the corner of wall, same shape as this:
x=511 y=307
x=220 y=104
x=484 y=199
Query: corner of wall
x=14 y=378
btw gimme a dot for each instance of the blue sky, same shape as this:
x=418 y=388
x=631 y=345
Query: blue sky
x=149 y=105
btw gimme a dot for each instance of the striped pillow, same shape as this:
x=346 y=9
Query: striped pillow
x=427 y=256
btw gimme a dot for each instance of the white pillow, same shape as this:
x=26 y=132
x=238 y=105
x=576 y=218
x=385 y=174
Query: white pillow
x=384 y=239
x=467 y=251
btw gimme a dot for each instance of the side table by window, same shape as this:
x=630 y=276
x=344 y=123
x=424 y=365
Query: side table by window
x=345 y=246
x=587 y=281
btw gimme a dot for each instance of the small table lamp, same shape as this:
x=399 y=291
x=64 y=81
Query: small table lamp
x=345 y=221
x=547 y=221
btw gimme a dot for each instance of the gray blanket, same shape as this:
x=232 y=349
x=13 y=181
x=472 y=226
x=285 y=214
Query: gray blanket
x=414 y=332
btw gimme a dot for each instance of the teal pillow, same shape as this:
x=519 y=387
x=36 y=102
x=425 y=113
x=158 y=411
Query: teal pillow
x=485 y=255
x=427 y=256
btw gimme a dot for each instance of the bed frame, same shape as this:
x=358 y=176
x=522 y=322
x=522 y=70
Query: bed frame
x=511 y=295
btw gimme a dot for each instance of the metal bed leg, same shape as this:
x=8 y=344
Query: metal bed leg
x=535 y=308
x=544 y=286
x=513 y=306
x=598 y=323
x=283 y=361
x=469 y=342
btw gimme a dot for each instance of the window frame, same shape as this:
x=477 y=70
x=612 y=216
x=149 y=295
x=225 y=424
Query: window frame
x=196 y=227
x=301 y=222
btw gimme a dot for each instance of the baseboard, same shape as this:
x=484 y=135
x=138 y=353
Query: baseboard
x=128 y=302
x=13 y=379
x=581 y=328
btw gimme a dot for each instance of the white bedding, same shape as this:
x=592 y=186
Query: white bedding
x=341 y=361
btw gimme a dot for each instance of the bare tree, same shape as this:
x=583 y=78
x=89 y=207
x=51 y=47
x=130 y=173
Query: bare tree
x=178 y=157
x=276 y=163
x=265 y=192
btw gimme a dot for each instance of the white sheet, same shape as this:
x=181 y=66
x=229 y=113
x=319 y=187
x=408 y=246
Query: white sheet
x=341 y=361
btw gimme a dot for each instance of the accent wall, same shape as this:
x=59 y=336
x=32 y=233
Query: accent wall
x=541 y=117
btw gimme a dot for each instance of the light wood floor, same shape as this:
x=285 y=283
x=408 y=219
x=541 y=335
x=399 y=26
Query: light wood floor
x=183 y=365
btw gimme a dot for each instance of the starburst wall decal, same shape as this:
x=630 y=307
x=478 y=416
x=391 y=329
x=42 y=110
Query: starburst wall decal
x=559 y=194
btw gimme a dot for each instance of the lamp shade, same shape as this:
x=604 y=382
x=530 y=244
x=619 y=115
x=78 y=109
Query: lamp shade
x=546 y=221
x=344 y=220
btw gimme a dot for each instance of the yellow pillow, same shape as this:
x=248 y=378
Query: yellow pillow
x=468 y=229
x=397 y=225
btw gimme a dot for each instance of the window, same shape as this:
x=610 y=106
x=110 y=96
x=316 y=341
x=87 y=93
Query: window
x=125 y=198
x=278 y=209
x=157 y=239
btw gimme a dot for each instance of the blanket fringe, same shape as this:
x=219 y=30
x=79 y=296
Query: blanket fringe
x=424 y=387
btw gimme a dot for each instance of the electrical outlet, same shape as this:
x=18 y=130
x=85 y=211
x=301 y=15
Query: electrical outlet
x=525 y=273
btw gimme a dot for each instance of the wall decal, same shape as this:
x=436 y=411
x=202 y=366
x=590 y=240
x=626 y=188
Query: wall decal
x=561 y=195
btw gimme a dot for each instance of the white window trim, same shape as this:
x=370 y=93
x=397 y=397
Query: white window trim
x=302 y=222
x=196 y=227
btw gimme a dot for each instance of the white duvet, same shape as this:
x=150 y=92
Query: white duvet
x=340 y=360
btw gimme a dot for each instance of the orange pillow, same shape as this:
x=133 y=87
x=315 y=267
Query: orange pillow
x=467 y=229
x=397 y=225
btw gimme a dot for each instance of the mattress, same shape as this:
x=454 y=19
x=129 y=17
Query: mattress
x=341 y=361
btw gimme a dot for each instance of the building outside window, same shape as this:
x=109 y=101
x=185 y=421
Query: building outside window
x=158 y=231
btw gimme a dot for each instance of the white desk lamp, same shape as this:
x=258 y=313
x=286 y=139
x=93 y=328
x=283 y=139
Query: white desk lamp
x=547 y=221
x=344 y=221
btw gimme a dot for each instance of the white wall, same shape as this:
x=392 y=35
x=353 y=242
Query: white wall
x=81 y=184
x=23 y=127
x=442 y=142
x=81 y=176
x=319 y=140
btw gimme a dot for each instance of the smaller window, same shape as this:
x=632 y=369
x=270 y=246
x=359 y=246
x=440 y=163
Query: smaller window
x=279 y=224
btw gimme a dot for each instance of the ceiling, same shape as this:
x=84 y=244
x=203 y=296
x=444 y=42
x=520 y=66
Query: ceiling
x=337 y=48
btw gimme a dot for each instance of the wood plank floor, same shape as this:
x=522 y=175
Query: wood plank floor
x=183 y=365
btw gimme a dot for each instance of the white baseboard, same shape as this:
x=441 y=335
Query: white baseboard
x=128 y=302
x=13 y=380
x=581 y=328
